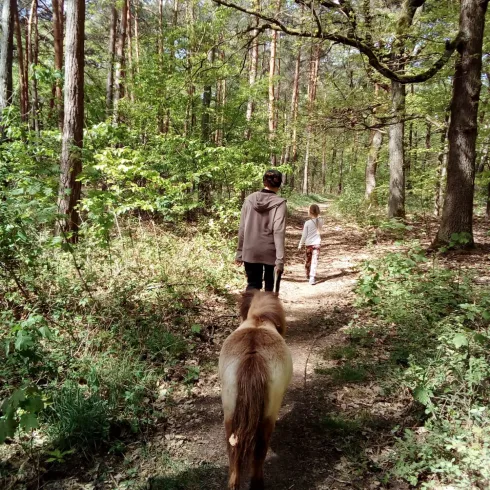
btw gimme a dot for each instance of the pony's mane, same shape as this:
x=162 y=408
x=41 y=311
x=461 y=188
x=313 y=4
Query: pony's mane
x=263 y=306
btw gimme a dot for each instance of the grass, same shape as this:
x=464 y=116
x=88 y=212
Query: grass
x=348 y=373
x=115 y=321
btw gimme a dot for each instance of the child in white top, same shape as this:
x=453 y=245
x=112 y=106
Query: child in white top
x=312 y=239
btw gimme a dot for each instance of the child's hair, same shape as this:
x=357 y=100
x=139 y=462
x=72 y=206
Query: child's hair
x=315 y=210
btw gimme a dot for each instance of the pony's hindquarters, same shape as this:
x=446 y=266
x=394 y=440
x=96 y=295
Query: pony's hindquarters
x=255 y=369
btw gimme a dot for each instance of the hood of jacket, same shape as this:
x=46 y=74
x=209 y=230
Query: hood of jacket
x=265 y=201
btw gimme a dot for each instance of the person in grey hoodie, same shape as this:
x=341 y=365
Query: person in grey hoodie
x=262 y=233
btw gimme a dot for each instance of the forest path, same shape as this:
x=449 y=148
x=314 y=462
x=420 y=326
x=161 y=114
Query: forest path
x=303 y=454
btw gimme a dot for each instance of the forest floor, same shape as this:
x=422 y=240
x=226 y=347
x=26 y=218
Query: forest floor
x=332 y=430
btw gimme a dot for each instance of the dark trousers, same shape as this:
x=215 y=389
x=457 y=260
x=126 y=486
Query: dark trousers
x=256 y=273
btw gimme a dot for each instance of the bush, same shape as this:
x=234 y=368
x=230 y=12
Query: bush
x=441 y=323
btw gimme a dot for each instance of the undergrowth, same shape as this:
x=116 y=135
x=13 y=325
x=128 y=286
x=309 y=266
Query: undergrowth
x=435 y=323
x=89 y=331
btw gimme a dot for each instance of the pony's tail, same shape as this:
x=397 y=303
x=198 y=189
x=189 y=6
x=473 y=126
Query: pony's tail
x=252 y=379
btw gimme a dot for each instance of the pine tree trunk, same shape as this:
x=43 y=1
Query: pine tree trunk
x=58 y=57
x=293 y=147
x=6 y=54
x=272 y=97
x=372 y=165
x=136 y=35
x=314 y=64
x=33 y=43
x=24 y=89
x=71 y=152
x=254 y=59
x=457 y=212
x=120 y=61
x=396 y=204
x=109 y=91
x=130 y=85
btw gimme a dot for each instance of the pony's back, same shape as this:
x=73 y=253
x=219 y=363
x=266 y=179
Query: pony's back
x=255 y=369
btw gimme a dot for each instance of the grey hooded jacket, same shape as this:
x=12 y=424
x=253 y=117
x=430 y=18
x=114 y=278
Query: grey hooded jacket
x=262 y=229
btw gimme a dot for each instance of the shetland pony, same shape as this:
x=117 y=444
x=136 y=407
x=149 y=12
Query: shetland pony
x=255 y=368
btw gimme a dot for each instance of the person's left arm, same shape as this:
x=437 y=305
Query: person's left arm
x=279 y=230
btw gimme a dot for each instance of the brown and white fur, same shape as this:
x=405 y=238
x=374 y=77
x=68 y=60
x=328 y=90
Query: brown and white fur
x=255 y=368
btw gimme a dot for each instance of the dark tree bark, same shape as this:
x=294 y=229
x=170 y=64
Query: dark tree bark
x=71 y=152
x=109 y=88
x=6 y=53
x=457 y=212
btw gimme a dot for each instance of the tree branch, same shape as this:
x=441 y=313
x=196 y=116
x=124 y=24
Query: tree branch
x=359 y=44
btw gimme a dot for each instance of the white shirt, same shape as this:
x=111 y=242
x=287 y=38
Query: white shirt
x=311 y=232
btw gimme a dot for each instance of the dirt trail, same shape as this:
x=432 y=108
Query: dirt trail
x=302 y=456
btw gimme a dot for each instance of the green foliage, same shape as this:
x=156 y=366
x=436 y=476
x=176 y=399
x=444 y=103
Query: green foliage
x=20 y=411
x=441 y=324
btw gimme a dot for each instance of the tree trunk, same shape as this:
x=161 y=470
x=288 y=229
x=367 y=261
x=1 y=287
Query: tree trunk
x=428 y=145
x=314 y=64
x=487 y=211
x=136 y=35
x=341 y=173
x=442 y=170
x=72 y=143
x=307 y=160
x=206 y=105
x=324 y=167
x=58 y=57
x=484 y=156
x=254 y=59
x=120 y=61
x=293 y=148
x=6 y=54
x=396 y=204
x=109 y=90
x=130 y=87
x=272 y=97
x=33 y=43
x=24 y=89
x=457 y=212
x=372 y=165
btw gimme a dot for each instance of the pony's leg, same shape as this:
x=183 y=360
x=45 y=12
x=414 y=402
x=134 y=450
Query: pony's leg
x=261 y=446
x=234 y=471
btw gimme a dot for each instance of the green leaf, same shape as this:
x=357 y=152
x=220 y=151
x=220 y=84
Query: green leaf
x=481 y=339
x=460 y=340
x=28 y=421
x=422 y=395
